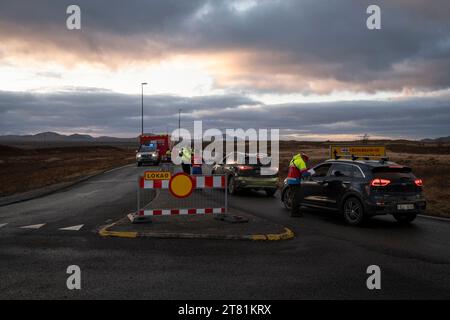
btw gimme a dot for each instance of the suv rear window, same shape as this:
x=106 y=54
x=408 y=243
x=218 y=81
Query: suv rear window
x=249 y=160
x=393 y=172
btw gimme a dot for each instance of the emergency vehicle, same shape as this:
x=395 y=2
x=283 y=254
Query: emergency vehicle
x=153 y=149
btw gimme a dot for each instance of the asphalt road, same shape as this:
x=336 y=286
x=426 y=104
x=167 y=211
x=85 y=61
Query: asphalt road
x=327 y=259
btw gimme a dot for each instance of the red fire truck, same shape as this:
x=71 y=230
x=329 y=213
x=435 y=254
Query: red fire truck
x=153 y=149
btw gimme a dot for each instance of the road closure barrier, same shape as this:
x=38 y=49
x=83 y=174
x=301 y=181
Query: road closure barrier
x=161 y=193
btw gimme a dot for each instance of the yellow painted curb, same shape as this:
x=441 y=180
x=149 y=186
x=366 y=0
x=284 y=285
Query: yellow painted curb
x=120 y=234
x=257 y=237
x=287 y=234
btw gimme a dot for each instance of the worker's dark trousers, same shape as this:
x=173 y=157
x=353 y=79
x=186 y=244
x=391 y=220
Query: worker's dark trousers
x=297 y=198
x=186 y=168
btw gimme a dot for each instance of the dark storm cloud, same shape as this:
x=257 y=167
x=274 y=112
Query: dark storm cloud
x=107 y=113
x=328 y=39
x=101 y=112
x=306 y=40
x=109 y=16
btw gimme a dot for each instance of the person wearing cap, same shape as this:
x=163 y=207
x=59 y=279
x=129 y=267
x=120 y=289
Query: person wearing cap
x=297 y=170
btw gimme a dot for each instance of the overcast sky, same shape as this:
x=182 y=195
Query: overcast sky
x=308 y=67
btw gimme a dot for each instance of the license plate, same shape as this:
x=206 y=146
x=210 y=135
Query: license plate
x=408 y=206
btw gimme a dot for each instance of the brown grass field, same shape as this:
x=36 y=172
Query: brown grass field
x=27 y=169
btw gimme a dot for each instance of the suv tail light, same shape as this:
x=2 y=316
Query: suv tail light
x=418 y=182
x=380 y=182
x=245 y=167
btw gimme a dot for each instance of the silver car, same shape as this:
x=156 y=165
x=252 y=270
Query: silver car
x=147 y=154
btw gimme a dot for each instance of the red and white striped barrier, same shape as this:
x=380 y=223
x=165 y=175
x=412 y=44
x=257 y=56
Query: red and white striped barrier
x=171 y=212
x=180 y=186
x=199 y=182
x=154 y=184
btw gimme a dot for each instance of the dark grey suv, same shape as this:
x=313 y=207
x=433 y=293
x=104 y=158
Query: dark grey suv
x=361 y=189
x=242 y=174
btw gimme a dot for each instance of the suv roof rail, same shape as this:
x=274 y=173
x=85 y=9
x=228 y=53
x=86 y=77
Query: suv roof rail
x=383 y=160
x=355 y=157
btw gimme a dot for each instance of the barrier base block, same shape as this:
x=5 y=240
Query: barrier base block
x=199 y=227
x=134 y=218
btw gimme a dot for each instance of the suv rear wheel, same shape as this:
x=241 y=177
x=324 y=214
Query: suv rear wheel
x=353 y=211
x=287 y=198
x=232 y=189
x=405 y=218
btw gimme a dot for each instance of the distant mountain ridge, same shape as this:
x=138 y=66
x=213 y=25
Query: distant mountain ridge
x=441 y=139
x=56 y=137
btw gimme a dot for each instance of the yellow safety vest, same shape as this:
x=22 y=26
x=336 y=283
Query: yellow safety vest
x=297 y=161
x=186 y=155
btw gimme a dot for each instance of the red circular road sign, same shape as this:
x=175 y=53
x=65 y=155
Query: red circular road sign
x=181 y=185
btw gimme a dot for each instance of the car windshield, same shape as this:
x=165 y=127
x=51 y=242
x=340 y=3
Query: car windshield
x=253 y=160
x=147 y=148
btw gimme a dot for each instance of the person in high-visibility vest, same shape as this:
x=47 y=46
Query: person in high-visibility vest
x=297 y=170
x=168 y=153
x=186 y=154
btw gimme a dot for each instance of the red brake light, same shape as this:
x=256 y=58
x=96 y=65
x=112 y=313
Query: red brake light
x=245 y=167
x=380 y=182
x=418 y=182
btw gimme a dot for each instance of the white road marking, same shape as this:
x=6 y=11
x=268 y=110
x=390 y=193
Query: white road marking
x=2 y=225
x=88 y=193
x=113 y=181
x=34 y=226
x=115 y=169
x=73 y=228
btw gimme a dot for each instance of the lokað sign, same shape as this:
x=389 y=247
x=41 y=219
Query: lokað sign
x=157 y=175
x=363 y=151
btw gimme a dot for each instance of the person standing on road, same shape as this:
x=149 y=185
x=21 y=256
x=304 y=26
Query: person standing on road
x=186 y=159
x=168 y=155
x=197 y=161
x=297 y=171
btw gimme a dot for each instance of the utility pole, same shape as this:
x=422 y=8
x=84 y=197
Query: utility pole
x=142 y=106
x=365 y=138
x=179 y=121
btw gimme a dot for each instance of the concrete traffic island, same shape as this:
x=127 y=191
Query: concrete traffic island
x=206 y=226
